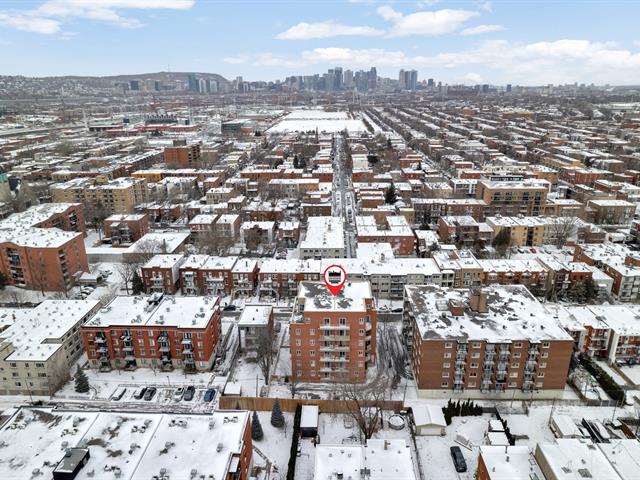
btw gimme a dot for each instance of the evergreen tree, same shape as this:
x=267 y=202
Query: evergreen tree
x=277 y=418
x=136 y=283
x=82 y=382
x=390 y=196
x=4 y=281
x=502 y=240
x=256 y=428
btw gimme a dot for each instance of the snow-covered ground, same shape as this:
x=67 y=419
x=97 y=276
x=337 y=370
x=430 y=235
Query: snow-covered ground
x=312 y=120
x=275 y=445
x=633 y=373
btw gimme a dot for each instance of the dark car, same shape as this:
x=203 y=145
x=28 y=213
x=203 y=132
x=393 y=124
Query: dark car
x=229 y=308
x=151 y=391
x=138 y=394
x=458 y=459
x=209 y=394
x=189 y=393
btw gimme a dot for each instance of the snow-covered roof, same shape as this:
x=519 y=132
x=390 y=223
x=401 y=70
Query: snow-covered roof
x=513 y=314
x=36 y=333
x=317 y=298
x=510 y=462
x=427 y=414
x=575 y=459
x=309 y=417
x=37 y=438
x=323 y=233
x=255 y=315
x=624 y=456
x=180 y=312
x=164 y=261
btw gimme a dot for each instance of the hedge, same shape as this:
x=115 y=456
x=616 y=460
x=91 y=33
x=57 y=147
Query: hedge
x=293 y=456
x=607 y=383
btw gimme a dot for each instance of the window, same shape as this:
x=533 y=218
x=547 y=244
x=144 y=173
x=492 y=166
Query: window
x=472 y=385
x=517 y=355
x=476 y=345
x=312 y=343
x=474 y=365
x=513 y=384
x=299 y=363
x=361 y=343
x=298 y=353
x=473 y=374
x=298 y=331
x=513 y=375
x=140 y=341
x=545 y=355
x=446 y=365
x=298 y=343
x=540 y=374
x=142 y=352
x=517 y=345
x=445 y=374
x=515 y=365
x=326 y=321
x=447 y=355
x=361 y=332
x=444 y=384
x=475 y=355
x=448 y=345
x=360 y=353
x=543 y=365
x=312 y=331
x=361 y=321
x=546 y=344
x=538 y=384
x=312 y=353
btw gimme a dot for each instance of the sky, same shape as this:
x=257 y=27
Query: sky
x=522 y=42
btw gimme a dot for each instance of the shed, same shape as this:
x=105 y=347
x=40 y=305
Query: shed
x=496 y=426
x=428 y=419
x=309 y=421
x=72 y=462
x=497 y=438
x=233 y=389
x=564 y=427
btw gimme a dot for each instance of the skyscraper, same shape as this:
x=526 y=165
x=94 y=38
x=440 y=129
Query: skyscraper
x=193 y=82
x=348 y=79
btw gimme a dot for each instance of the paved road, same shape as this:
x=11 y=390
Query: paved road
x=344 y=202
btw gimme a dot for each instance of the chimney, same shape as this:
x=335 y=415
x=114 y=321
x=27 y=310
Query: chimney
x=478 y=300
x=456 y=308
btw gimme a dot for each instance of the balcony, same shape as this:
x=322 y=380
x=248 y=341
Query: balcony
x=337 y=348
x=335 y=327
x=99 y=339
x=326 y=358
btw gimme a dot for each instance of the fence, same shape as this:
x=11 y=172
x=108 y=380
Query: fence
x=264 y=404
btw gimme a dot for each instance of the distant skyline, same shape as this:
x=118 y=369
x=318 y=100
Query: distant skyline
x=523 y=42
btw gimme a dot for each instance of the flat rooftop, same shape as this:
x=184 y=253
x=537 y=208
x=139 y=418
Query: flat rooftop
x=180 y=312
x=317 y=298
x=513 y=314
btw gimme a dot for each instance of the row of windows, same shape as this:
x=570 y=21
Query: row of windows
x=475 y=374
x=475 y=365
x=479 y=345
x=473 y=385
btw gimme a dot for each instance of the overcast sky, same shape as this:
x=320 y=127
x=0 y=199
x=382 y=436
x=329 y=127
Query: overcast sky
x=526 y=42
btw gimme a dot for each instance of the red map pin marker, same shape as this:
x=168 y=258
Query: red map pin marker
x=334 y=278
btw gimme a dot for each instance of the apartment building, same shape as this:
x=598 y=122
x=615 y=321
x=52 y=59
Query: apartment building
x=40 y=345
x=428 y=210
x=463 y=230
x=608 y=332
x=610 y=212
x=324 y=238
x=254 y=325
x=459 y=268
x=281 y=277
x=207 y=275
x=120 y=195
x=245 y=277
x=154 y=332
x=514 y=272
x=43 y=248
x=333 y=338
x=516 y=462
x=126 y=229
x=394 y=230
x=161 y=274
x=505 y=198
x=183 y=154
x=499 y=342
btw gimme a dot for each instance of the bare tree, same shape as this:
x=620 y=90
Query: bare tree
x=364 y=403
x=127 y=270
x=264 y=350
x=213 y=242
x=562 y=229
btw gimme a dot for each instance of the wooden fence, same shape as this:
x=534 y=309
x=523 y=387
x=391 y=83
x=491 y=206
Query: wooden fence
x=263 y=404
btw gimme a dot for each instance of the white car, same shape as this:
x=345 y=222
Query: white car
x=178 y=394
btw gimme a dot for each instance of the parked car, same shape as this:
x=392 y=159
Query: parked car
x=151 y=391
x=210 y=394
x=118 y=394
x=178 y=394
x=139 y=393
x=397 y=310
x=189 y=393
x=458 y=459
x=229 y=308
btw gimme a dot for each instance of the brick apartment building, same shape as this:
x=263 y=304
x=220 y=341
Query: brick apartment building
x=154 y=332
x=43 y=247
x=183 y=155
x=610 y=212
x=428 y=210
x=499 y=342
x=126 y=229
x=333 y=338
x=207 y=275
x=394 y=230
x=607 y=332
x=161 y=274
x=281 y=277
